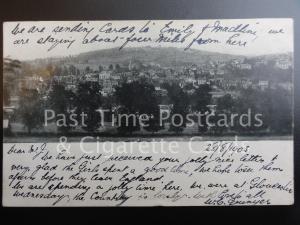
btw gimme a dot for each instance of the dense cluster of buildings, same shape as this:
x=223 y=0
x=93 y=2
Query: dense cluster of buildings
x=223 y=77
x=217 y=74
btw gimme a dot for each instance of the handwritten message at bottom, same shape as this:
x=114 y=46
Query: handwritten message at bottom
x=148 y=174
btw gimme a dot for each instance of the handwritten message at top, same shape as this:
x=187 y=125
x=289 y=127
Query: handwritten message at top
x=232 y=36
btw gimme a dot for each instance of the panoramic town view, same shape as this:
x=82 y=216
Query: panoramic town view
x=164 y=91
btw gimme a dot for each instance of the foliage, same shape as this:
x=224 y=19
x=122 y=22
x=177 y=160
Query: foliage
x=31 y=110
x=137 y=98
x=10 y=67
x=62 y=101
x=180 y=101
x=201 y=98
x=88 y=101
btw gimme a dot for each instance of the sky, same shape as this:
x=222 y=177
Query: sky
x=28 y=40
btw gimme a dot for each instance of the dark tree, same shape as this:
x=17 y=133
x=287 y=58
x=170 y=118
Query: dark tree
x=57 y=71
x=62 y=102
x=280 y=112
x=126 y=96
x=88 y=101
x=201 y=98
x=6 y=96
x=100 y=68
x=135 y=99
x=224 y=108
x=118 y=68
x=225 y=103
x=251 y=102
x=72 y=70
x=180 y=101
x=10 y=66
x=65 y=71
x=31 y=110
x=88 y=69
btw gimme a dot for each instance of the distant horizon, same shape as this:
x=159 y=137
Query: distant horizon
x=157 y=47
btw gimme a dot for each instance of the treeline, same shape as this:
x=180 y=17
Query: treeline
x=140 y=97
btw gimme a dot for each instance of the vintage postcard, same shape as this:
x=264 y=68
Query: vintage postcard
x=148 y=113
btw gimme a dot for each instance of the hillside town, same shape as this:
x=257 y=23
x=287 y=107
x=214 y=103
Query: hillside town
x=219 y=74
x=223 y=77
